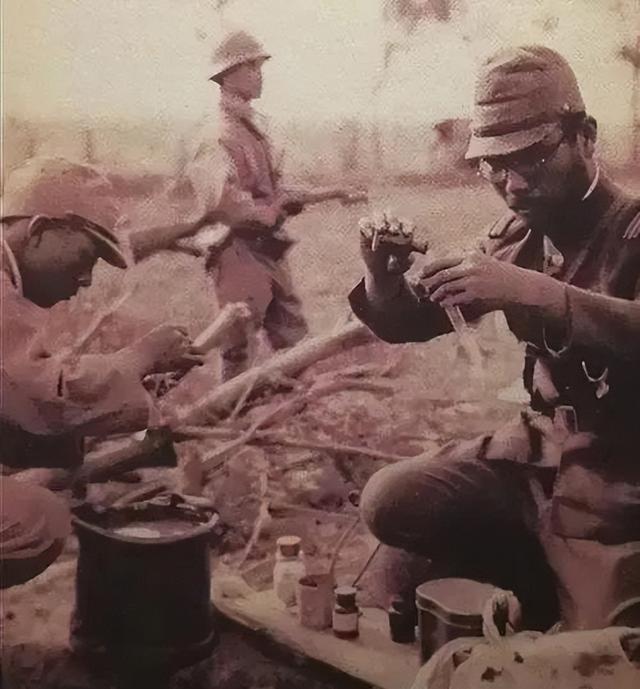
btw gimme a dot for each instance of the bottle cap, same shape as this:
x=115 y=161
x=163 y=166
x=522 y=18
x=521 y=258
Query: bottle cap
x=289 y=546
x=346 y=596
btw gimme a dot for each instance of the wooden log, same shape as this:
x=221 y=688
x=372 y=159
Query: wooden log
x=153 y=450
x=137 y=453
x=288 y=363
x=230 y=317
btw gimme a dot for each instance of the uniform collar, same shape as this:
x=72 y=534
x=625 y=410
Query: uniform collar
x=581 y=219
x=9 y=264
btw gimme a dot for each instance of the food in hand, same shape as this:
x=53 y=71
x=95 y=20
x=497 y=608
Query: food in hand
x=387 y=228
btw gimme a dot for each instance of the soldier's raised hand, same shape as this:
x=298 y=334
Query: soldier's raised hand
x=386 y=244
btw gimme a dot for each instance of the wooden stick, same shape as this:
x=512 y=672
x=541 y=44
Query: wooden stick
x=346 y=534
x=276 y=507
x=288 y=362
x=365 y=567
x=242 y=400
x=270 y=438
x=134 y=453
x=208 y=463
x=274 y=438
x=262 y=518
x=230 y=317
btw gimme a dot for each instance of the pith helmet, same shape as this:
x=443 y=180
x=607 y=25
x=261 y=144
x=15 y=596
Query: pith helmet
x=56 y=187
x=236 y=49
x=520 y=95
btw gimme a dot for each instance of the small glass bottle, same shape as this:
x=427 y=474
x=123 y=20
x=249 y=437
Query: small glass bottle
x=289 y=569
x=345 y=613
x=402 y=622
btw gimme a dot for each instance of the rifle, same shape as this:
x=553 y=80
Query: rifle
x=275 y=243
x=301 y=198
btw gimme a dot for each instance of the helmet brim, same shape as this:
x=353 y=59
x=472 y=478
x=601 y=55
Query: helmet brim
x=107 y=244
x=224 y=69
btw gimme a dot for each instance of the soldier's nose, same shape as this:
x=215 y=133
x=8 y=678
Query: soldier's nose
x=515 y=182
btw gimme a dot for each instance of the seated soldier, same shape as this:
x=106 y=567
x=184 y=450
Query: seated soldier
x=59 y=223
x=548 y=506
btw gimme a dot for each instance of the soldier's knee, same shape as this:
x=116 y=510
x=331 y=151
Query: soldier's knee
x=381 y=504
x=36 y=524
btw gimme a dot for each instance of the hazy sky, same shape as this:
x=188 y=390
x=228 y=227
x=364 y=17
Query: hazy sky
x=144 y=58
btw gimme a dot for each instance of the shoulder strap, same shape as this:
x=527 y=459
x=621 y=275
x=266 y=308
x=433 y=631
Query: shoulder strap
x=9 y=265
x=632 y=230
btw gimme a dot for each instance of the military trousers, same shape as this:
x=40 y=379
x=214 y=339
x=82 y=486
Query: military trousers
x=243 y=274
x=464 y=512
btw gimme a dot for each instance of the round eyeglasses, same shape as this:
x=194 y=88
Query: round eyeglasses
x=529 y=164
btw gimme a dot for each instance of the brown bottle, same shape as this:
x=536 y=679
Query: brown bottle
x=345 y=613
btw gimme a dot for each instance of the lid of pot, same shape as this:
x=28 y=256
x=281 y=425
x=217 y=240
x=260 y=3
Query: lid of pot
x=457 y=600
x=289 y=546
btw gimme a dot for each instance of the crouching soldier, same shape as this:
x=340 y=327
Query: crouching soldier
x=548 y=506
x=58 y=223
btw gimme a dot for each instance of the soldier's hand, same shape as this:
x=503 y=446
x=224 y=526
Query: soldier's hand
x=167 y=348
x=386 y=244
x=484 y=281
x=237 y=207
x=291 y=203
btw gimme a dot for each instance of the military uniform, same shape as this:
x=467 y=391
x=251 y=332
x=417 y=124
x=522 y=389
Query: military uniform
x=49 y=402
x=552 y=500
x=252 y=266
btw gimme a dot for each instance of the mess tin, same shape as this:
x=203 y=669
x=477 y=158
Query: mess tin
x=449 y=609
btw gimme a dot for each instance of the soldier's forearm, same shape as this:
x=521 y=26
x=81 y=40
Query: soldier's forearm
x=382 y=290
x=607 y=323
x=150 y=240
x=581 y=317
x=401 y=317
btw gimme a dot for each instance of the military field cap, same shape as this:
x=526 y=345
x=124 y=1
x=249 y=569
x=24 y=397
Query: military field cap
x=61 y=189
x=519 y=97
x=236 y=49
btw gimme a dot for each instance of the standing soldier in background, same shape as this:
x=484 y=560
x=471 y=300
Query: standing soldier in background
x=249 y=265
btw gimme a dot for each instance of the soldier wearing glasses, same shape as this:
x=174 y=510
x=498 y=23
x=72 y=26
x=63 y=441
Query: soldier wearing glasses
x=548 y=506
